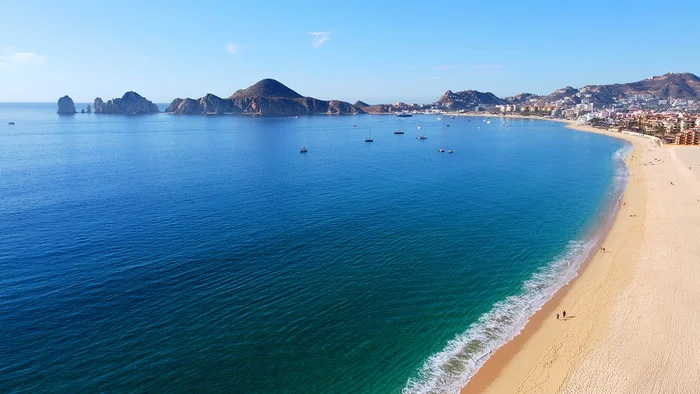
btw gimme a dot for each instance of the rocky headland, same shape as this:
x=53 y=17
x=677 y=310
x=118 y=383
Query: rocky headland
x=267 y=97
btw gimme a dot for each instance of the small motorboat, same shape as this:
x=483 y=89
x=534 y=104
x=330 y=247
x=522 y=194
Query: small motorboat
x=398 y=132
x=451 y=151
x=442 y=150
x=11 y=123
x=420 y=127
x=303 y=150
x=422 y=137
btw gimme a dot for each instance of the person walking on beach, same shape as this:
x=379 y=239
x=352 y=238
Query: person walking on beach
x=563 y=314
x=557 y=316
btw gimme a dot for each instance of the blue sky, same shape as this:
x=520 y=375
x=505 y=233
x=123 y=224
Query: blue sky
x=376 y=51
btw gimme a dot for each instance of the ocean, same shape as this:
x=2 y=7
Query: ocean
x=176 y=253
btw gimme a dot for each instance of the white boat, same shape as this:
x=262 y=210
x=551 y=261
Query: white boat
x=442 y=150
x=303 y=150
x=422 y=137
x=450 y=151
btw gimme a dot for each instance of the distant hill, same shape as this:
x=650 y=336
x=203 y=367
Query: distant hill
x=267 y=97
x=360 y=104
x=468 y=99
x=266 y=88
x=671 y=85
x=522 y=98
x=566 y=95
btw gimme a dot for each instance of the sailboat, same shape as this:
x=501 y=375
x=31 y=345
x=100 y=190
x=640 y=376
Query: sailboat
x=369 y=138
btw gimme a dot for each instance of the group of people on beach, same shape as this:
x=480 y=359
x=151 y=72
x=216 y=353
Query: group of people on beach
x=563 y=315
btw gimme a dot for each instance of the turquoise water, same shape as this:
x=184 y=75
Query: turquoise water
x=206 y=253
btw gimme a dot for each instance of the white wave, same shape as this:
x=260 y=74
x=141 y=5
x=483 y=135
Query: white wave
x=450 y=370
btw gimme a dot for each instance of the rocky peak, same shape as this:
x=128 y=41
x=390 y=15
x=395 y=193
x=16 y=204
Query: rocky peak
x=131 y=103
x=266 y=88
x=99 y=105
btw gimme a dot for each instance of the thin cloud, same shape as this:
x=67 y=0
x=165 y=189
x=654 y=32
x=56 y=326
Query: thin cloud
x=10 y=57
x=319 y=37
x=233 y=48
x=445 y=67
x=487 y=66
x=27 y=58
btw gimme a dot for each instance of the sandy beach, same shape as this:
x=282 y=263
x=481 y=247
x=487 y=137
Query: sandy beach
x=631 y=323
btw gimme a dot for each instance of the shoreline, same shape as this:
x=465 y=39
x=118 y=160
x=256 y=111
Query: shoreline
x=495 y=364
x=596 y=348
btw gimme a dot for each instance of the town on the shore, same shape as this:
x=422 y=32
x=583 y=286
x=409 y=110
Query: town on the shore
x=674 y=121
x=636 y=107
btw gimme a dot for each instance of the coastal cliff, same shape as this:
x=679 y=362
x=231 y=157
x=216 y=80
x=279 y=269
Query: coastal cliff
x=267 y=97
x=66 y=106
x=131 y=103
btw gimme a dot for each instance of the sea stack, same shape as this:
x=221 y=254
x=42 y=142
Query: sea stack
x=66 y=106
x=131 y=103
x=99 y=106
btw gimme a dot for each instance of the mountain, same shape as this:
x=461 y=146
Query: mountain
x=267 y=97
x=360 y=104
x=468 y=99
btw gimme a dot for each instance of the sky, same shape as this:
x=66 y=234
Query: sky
x=375 y=51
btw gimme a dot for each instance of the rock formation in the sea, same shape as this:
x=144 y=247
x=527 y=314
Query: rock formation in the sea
x=66 y=106
x=99 y=105
x=265 y=98
x=88 y=109
x=131 y=103
x=82 y=111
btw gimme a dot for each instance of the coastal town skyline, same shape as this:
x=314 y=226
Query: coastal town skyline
x=394 y=53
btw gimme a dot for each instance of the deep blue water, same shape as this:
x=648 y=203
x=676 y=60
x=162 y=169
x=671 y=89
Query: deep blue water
x=172 y=253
